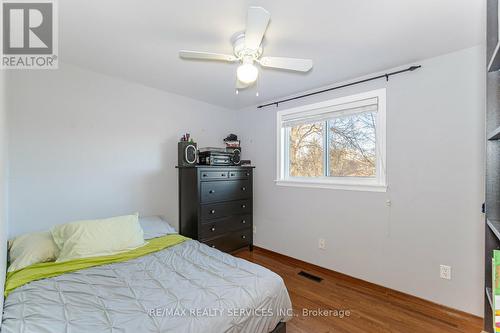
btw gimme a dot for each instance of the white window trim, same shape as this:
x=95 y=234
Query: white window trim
x=376 y=184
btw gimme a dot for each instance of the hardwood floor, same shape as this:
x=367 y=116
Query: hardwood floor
x=372 y=308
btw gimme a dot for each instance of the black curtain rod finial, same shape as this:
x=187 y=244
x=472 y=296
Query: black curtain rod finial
x=386 y=76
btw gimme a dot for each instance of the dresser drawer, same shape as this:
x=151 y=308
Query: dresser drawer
x=230 y=241
x=207 y=175
x=213 y=228
x=224 y=191
x=218 y=210
x=240 y=174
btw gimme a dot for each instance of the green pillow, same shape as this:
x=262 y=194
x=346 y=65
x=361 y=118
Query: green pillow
x=91 y=238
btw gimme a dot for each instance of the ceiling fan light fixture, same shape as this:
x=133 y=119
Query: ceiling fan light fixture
x=247 y=72
x=247 y=50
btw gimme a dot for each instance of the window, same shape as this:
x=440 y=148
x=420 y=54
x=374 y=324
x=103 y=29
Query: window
x=339 y=143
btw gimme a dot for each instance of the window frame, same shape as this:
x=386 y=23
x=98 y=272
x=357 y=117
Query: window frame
x=375 y=184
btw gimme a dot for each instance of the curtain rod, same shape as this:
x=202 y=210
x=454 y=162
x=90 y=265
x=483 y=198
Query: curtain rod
x=386 y=76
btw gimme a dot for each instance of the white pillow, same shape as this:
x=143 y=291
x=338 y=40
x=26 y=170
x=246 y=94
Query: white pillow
x=31 y=248
x=155 y=226
x=91 y=238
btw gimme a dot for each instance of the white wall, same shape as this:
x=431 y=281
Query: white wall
x=435 y=139
x=3 y=188
x=86 y=145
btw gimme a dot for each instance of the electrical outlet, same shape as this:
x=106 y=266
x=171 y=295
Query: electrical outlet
x=322 y=243
x=445 y=272
x=254 y=229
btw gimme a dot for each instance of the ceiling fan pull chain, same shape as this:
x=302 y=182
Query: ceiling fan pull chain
x=257 y=84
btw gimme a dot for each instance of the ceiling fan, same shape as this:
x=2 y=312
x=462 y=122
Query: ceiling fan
x=247 y=50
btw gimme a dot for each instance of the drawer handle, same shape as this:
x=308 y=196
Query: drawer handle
x=232 y=175
x=222 y=174
x=244 y=237
x=212 y=211
x=243 y=206
x=205 y=175
x=211 y=191
x=212 y=229
x=243 y=188
x=244 y=221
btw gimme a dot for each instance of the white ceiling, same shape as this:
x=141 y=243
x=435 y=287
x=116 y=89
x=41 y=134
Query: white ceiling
x=139 y=40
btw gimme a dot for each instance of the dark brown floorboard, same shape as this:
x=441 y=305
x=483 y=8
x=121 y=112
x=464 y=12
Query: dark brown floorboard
x=373 y=308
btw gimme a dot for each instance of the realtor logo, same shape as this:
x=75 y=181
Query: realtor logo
x=29 y=34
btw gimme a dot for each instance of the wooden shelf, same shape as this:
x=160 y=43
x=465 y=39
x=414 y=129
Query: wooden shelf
x=494 y=63
x=494 y=225
x=495 y=134
x=489 y=296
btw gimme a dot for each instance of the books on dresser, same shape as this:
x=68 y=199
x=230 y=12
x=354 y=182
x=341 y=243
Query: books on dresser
x=215 y=205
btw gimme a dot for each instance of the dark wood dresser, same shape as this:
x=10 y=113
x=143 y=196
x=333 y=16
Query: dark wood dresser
x=215 y=205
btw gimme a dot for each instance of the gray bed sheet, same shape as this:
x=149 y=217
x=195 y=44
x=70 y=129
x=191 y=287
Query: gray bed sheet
x=189 y=287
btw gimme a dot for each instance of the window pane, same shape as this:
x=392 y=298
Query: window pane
x=306 y=150
x=351 y=143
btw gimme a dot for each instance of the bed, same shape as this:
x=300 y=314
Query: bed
x=188 y=287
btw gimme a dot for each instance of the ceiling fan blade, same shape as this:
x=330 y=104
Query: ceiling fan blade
x=293 y=64
x=257 y=21
x=206 y=56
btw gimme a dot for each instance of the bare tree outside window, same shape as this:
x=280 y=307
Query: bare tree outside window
x=351 y=150
x=352 y=145
x=338 y=143
x=306 y=150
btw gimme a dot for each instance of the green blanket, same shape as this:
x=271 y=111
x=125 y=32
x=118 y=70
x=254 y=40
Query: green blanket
x=50 y=269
